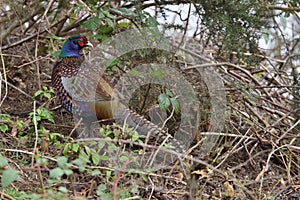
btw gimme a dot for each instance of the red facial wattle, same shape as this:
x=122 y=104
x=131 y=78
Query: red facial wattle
x=82 y=41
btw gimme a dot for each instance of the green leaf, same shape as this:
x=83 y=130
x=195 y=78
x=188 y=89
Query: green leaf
x=53 y=136
x=56 y=53
x=111 y=147
x=104 y=33
x=123 y=158
x=67 y=148
x=164 y=101
x=52 y=181
x=112 y=63
x=135 y=136
x=100 y=14
x=110 y=23
x=101 y=189
x=47 y=115
x=107 y=14
x=67 y=172
x=56 y=172
x=151 y=22
x=38 y=118
x=96 y=172
x=270 y=198
x=96 y=158
x=105 y=30
x=5 y=118
x=55 y=37
x=92 y=24
x=108 y=175
x=169 y=93
x=135 y=73
x=80 y=164
x=47 y=95
x=62 y=161
x=250 y=100
x=145 y=178
x=126 y=12
x=125 y=24
x=157 y=74
x=9 y=176
x=83 y=155
x=3 y=128
x=75 y=147
x=20 y=124
x=100 y=145
x=63 y=189
x=103 y=157
x=87 y=150
x=3 y=162
x=175 y=105
x=37 y=93
x=283 y=21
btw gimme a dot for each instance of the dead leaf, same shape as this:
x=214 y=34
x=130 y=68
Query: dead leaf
x=228 y=188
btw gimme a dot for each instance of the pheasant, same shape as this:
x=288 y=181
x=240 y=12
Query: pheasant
x=79 y=99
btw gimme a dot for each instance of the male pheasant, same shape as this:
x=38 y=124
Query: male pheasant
x=86 y=100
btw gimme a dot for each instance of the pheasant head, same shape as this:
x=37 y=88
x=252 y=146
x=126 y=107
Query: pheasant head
x=73 y=46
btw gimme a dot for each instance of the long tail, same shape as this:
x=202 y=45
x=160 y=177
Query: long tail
x=147 y=128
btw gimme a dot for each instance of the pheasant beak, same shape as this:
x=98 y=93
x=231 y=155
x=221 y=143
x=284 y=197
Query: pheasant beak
x=88 y=44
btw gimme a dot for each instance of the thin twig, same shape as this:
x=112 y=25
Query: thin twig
x=1 y=78
x=36 y=134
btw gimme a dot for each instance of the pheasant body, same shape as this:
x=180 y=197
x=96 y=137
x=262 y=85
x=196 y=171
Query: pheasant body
x=86 y=94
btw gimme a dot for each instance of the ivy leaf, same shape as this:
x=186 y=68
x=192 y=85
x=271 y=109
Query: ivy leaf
x=56 y=172
x=175 y=104
x=169 y=93
x=63 y=189
x=61 y=161
x=68 y=172
x=80 y=164
x=151 y=22
x=9 y=176
x=104 y=33
x=3 y=161
x=101 y=189
x=92 y=24
x=164 y=101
